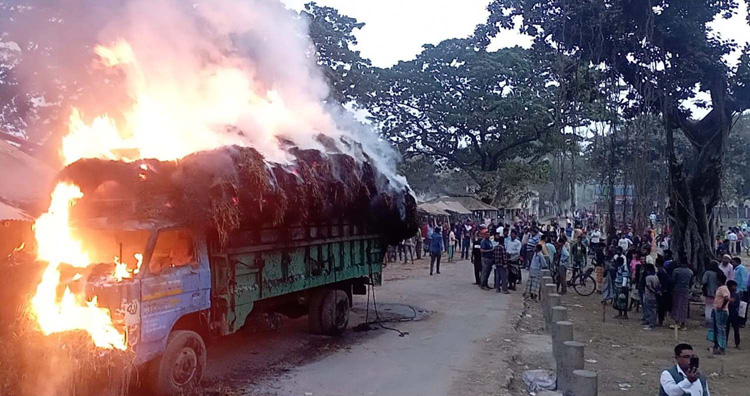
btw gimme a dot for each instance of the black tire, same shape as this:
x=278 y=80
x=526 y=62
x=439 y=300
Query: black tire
x=585 y=286
x=180 y=368
x=334 y=313
x=313 y=311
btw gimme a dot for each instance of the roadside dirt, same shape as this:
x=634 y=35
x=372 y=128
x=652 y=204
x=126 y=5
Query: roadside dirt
x=630 y=360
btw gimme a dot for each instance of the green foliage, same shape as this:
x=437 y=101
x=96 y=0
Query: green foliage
x=469 y=109
x=349 y=75
x=663 y=49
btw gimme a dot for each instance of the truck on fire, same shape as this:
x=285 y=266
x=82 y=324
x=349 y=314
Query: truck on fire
x=214 y=249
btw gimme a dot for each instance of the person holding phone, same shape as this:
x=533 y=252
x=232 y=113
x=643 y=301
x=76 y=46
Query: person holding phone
x=684 y=378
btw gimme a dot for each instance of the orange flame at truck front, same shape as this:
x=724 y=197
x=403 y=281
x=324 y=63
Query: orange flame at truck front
x=71 y=311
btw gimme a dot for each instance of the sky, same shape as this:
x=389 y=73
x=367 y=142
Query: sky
x=396 y=29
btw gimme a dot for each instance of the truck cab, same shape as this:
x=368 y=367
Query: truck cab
x=191 y=285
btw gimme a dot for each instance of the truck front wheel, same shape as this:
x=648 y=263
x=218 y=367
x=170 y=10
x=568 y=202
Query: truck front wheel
x=181 y=366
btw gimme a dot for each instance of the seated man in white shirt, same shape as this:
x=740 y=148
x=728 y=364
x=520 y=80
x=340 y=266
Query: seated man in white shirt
x=684 y=378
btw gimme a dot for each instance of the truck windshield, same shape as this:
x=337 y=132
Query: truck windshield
x=115 y=246
x=174 y=248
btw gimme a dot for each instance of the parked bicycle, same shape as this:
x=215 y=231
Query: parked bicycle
x=583 y=283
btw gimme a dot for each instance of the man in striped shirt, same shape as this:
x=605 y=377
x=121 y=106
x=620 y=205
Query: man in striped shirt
x=501 y=268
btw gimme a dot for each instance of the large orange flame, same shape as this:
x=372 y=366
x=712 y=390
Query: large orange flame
x=170 y=119
x=56 y=245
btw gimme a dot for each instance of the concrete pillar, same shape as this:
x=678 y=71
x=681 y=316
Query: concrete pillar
x=561 y=332
x=542 y=289
x=553 y=300
x=584 y=383
x=572 y=360
x=559 y=314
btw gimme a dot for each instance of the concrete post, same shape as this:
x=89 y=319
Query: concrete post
x=553 y=300
x=543 y=289
x=572 y=360
x=584 y=383
x=559 y=314
x=561 y=332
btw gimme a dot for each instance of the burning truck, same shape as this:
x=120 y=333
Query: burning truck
x=208 y=181
x=160 y=255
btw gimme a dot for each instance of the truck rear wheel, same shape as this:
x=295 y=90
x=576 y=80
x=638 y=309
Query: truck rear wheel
x=314 y=311
x=181 y=366
x=329 y=312
x=335 y=313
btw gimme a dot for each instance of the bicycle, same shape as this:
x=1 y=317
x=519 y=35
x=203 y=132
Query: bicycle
x=583 y=283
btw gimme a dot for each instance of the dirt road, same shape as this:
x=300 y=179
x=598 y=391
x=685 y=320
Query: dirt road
x=456 y=342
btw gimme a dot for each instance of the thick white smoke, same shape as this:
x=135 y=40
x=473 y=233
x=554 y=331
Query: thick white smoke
x=202 y=75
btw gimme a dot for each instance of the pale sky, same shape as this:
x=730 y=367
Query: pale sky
x=396 y=29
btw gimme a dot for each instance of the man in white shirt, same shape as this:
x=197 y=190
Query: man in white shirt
x=513 y=246
x=595 y=236
x=624 y=243
x=684 y=378
x=652 y=219
x=732 y=241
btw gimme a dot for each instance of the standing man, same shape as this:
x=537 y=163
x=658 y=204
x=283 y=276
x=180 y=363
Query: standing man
x=538 y=262
x=436 y=249
x=683 y=379
x=409 y=249
x=726 y=267
x=732 y=237
x=418 y=243
x=551 y=251
x=682 y=280
x=451 y=244
x=624 y=243
x=596 y=237
x=513 y=248
x=562 y=269
x=741 y=277
x=501 y=268
x=734 y=313
x=665 y=297
x=652 y=219
x=651 y=297
x=427 y=231
x=533 y=241
x=710 y=283
x=476 y=257
x=578 y=253
x=717 y=333
x=487 y=259
x=466 y=243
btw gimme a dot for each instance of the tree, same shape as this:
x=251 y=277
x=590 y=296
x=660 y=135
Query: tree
x=667 y=54
x=469 y=109
x=348 y=74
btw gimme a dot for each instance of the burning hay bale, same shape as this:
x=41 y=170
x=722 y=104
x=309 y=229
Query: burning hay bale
x=64 y=364
x=235 y=187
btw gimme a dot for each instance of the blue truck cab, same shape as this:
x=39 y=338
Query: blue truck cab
x=194 y=284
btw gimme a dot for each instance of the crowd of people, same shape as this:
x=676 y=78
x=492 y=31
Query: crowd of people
x=634 y=273
x=628 y=274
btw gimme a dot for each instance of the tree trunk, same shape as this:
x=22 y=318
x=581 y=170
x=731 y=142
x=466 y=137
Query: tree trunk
x=612 y=229
x=695 y=189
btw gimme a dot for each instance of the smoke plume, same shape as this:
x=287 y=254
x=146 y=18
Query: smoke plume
x=166 y=78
